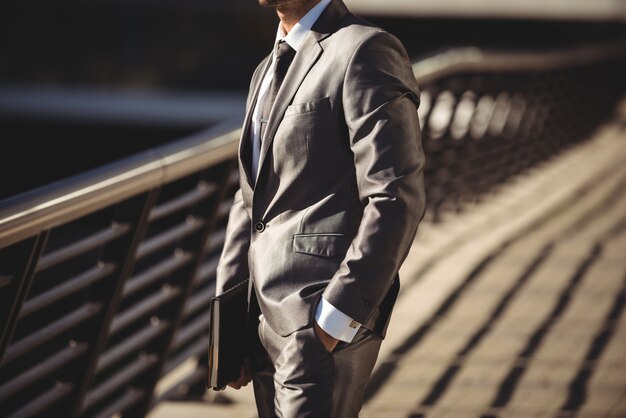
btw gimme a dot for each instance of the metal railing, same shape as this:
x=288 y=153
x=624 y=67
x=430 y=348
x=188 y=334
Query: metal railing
x=600 y=10
x=489 y=115
x=106 y=278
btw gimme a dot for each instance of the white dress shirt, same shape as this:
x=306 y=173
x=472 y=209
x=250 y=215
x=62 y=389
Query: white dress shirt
x=329 y=318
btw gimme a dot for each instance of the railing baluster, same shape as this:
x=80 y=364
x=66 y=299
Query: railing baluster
x=210 y=211
x=135 y=212
x=20 y=261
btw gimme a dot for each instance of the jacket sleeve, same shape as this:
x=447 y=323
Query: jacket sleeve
x=380 y=100
x=233 y=265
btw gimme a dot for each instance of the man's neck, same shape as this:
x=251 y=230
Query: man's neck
x=289 y=14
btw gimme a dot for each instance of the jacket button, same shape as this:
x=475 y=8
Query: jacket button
x=259 y=226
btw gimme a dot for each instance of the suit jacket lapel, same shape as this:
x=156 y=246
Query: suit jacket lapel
x=303 y=61
x=305 y=58
x=245 y=145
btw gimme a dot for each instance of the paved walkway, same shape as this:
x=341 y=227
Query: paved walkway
x=514 y=308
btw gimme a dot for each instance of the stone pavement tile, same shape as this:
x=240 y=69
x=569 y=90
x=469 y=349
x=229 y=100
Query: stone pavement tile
x=550 y=278
x=609 y=210
x=572 y=215
x=606 y=277
x=498 y=281
x=606 y=222
x=606 y=387
x=558 y=363
x=572 y=248
x=528 y=308
x=604 y=403
x=499 y=345
x=418 y=373
x=481 y=358
x=450 y=327
x=543 y=389
x=506 y=267
x=242 y=406
x=569 y=350
x=581 y=219
x=528 y=246
x=198 y=410
x=614 y=354
x=384 y=412
x=612 y=214
x=615 y=248
x=528 y=411
x=408 y=385
x=453 y=412
x=533 y=302
x=584 y=414
x=549 y=374
x=398 y=397
x=584 y=302
x=476 y=304
x=573 y=328
x=608 y=378
x=475 y=386
x=520 y=319
x=554 y=382
x=575 y=324
x=618 y=410
x=464 y=397
x=440 y=344
x=592 y=305
x=482 y=296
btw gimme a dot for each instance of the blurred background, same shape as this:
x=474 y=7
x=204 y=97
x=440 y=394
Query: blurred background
x=104 y=79
x=119 y=123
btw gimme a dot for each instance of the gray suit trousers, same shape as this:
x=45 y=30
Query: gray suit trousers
x=296 y=377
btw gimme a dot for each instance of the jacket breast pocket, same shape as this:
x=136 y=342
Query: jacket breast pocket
x=323 y=245
x=319 y=105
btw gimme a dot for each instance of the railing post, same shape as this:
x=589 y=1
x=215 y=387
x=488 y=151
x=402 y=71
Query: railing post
x=134 y=211
x=17 y=265
x=208 y=212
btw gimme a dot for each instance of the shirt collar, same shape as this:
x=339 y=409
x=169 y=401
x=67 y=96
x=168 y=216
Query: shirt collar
x=298 y=33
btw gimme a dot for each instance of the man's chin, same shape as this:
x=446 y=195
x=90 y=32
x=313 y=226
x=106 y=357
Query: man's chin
x=273 y=3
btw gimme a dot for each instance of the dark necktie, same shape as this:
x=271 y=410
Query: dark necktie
x=284 y=56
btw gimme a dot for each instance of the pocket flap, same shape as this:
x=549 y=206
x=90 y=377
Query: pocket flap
x=324 y=245
x=318 y=105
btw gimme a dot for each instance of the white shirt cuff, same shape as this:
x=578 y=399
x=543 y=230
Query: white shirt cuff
x=337 y=324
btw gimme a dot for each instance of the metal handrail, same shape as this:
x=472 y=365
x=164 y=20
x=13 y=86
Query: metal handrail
x=559 y=10
x=26 y=214
x=472 y=59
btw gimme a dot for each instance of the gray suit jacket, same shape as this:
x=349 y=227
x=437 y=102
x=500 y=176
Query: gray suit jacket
x=340 y=191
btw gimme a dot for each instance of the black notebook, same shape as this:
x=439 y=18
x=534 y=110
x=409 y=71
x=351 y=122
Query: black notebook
x=228 y=335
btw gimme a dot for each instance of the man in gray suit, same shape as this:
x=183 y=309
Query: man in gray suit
x=331 y=194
